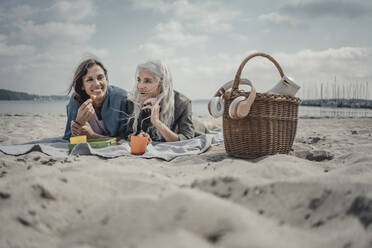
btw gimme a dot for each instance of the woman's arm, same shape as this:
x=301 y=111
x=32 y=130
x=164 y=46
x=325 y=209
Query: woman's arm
x=85 y=112
x=184 y=122
x=186 y=129
x=167 y=134
x=86 y=129
x=75 y=113
x=71 y=110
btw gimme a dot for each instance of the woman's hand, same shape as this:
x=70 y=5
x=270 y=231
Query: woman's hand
x=85 y=112
x=86 y=129
x=142 y=133
x=155 y=115
x=155 y=111
x=75 y=129
x=149 y=103
x=167 y=134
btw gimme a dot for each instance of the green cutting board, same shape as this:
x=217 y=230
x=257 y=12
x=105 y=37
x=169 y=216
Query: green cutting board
x=97 y=143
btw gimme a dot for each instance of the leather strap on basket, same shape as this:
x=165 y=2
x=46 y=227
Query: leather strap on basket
x=240 y=69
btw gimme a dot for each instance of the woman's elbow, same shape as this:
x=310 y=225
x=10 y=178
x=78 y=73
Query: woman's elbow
x=185 y=136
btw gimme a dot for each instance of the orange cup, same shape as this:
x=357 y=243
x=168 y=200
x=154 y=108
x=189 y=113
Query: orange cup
x=138 y=144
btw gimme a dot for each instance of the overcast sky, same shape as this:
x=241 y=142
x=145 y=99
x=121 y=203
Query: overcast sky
x=202 y=42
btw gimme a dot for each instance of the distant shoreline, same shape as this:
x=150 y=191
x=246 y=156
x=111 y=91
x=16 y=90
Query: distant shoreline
x=329 y=103
x=8 y=95
x=338 y=103
x=39 y=100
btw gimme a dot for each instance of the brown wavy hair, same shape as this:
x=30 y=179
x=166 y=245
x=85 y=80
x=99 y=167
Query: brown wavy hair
x=77 y=82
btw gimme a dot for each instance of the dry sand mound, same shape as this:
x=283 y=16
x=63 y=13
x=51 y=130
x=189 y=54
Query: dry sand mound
x=320 y=195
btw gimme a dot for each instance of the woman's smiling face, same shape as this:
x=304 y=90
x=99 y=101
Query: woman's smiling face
x=95 y=82
x=147 y=85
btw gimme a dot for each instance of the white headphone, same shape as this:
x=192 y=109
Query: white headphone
x=237 y=108
x=216 y=106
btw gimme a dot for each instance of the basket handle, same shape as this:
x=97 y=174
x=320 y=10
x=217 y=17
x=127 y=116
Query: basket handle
x=240 y=69
x=229 y=85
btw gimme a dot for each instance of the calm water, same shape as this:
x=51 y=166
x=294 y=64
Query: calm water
x=199 y=107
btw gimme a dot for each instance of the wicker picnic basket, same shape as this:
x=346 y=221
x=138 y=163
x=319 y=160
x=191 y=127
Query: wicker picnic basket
x=270 y=126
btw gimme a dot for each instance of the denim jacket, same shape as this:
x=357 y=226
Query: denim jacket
x=113 y=112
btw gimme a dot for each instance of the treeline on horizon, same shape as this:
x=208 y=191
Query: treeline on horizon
x=8 y=95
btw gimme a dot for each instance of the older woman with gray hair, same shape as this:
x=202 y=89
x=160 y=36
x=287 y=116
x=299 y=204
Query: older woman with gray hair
x=156 y=110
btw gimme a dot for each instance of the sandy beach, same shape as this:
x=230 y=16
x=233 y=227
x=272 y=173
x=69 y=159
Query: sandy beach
x=319 y=195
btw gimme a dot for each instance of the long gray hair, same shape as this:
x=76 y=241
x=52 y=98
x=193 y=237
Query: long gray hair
x=165 y=99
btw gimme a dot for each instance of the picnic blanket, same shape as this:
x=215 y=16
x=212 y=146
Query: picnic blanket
x=58 y=147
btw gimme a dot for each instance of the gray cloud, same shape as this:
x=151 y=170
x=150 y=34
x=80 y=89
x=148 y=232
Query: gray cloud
x=170 y=39
x=335 y=8
x=41 y=44
x=275 y=19
x=208 y=16
x=73 y=11
x=54 y=32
